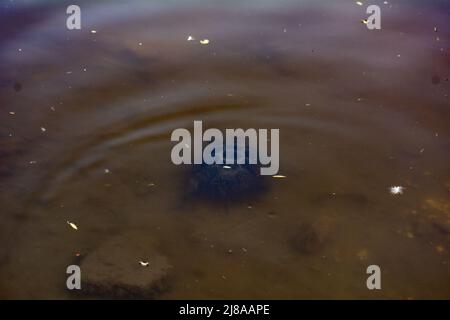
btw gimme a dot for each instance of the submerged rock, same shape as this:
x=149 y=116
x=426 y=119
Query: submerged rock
x=124 y=268
x=310 y=238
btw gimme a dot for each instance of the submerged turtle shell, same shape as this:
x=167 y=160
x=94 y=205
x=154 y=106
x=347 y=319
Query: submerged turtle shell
x=226 y=181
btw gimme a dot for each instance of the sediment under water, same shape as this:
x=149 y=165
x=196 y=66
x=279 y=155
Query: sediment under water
x=85 y=130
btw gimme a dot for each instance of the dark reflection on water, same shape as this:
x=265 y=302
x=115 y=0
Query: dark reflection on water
x=85 y=137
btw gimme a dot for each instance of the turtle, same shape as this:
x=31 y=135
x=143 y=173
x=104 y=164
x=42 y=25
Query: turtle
x=226 y=182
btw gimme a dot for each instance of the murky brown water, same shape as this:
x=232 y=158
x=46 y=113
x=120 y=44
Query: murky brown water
x=85 y=137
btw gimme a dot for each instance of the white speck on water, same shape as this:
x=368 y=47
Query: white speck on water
x=12 y=113
x=72 y=225
x=204 y=41
x=396 y=190
x=190 y=38
x=43 y=129
x=93 y=31
x=144 y=263
x=106 y=171
x=226 y=167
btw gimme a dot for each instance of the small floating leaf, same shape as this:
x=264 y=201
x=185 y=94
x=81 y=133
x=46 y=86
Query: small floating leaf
x=73 y=225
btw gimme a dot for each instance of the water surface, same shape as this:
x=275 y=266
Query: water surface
x=85 y=130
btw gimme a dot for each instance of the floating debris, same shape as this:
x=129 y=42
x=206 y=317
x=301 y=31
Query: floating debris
x=359 y=3
x=106 y=171
x=73 y=225
x=226 y=167
x=144 y=263
x=204 y=41
x=43 y=129
x=94 y=31
x=12 y=113
x=279 y=176
x=190 y=38
x=396 y=190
